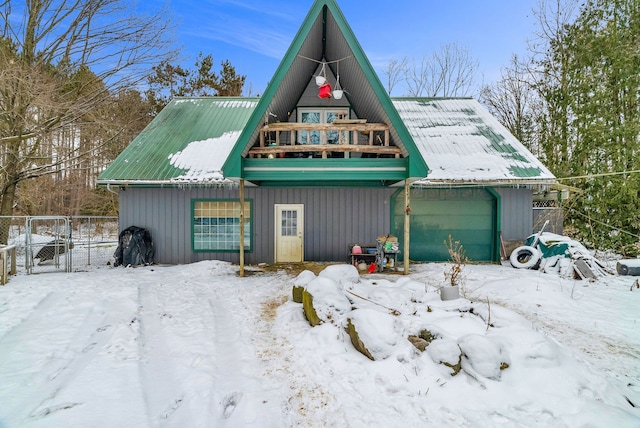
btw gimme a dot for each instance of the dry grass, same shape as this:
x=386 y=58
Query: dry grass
x=270 y=307
x=295 y=268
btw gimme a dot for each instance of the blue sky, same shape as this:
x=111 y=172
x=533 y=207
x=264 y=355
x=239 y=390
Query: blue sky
x=254 y=35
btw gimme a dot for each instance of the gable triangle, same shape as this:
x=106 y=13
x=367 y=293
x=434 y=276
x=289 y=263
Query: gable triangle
x=325 y=37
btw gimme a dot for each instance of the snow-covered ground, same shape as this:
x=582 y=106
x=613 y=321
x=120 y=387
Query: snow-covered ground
x=198 y=346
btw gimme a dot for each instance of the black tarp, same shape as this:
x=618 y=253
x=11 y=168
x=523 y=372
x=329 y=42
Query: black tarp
x=135 y=247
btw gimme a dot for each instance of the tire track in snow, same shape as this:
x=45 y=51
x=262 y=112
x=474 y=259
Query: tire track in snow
x=13 y=337
x=193 y=355
x=241 y=394
x=74 y=346
x=160 y=385
x=227 y=358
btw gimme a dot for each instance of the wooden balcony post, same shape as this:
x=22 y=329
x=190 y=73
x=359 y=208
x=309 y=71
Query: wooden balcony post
x=407 y=225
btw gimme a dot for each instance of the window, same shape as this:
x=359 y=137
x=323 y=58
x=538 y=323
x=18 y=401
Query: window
x=216 y=225
x=309 y=115
x=289 y=225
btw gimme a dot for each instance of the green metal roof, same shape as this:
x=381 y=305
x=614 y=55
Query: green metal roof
x=186 y=143
x=191 y=139
x=463 y=143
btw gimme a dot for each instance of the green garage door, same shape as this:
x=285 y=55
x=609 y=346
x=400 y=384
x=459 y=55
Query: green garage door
x=468 y=215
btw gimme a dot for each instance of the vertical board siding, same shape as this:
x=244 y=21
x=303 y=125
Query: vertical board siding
x=334 y=218
x=516 y=213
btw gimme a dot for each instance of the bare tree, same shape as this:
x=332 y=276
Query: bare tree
x=514 y=102
x=60 y=61
x=448 y=72
x=396 y=71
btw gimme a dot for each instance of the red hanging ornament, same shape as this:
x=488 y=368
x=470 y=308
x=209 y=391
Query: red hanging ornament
x=325 y=91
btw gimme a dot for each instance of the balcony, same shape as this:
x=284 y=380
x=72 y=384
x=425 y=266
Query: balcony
x=342 y=138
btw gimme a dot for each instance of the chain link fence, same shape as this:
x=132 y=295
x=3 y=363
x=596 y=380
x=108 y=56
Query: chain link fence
x=67 y=244
x=553 y=214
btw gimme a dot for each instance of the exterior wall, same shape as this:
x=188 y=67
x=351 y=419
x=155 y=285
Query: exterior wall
x=334 y=218
x=516 y=214
x=520 y=219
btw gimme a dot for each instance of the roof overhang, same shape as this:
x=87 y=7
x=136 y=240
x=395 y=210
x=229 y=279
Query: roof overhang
x=528 y=183
x=123 y=184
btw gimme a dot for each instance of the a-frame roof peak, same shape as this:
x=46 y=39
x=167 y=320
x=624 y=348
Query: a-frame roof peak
x=325 y=35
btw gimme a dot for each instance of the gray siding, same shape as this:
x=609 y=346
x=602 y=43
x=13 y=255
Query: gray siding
x=516 y=215
x=334 y=218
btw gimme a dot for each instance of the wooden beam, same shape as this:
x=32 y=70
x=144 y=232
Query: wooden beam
x=299 y=126
x=241 y=227
x=407 y=225
x=300 y=148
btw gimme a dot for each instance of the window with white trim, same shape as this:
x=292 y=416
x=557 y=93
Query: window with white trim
x=216 y=225
x=316 y=115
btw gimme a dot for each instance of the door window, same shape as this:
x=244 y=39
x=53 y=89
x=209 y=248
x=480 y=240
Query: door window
x=289 y=223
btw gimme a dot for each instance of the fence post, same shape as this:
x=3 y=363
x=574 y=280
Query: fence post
x=6 y=252
x=3 y=271
x=89 y=242
x=14 y=268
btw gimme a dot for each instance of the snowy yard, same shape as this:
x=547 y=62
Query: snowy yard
x=197 y=346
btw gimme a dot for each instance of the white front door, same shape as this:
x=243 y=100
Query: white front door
x=289 y=233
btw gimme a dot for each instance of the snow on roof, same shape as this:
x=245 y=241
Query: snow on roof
x=462 y=142
x=203 y=159
x=222 y=104
x=187 y=143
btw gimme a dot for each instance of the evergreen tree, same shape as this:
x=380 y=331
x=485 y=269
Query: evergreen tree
x=592 y=122
x=170 y=81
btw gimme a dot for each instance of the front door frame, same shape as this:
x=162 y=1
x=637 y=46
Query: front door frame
x=278 y=209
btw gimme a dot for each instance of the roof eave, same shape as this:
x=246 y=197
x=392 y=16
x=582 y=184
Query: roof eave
x=167 y=183
x=530 y=182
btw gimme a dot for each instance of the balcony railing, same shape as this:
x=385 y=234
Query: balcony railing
x=285 y=139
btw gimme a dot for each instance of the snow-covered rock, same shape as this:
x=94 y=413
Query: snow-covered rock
x=447 y=352
x=299 y=283
x=305 y=277
x=377 y=331
x=341 y=273
x=324 y=301
x=484 y=356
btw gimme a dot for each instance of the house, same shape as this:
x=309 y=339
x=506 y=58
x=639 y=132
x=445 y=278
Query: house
x=306 y=170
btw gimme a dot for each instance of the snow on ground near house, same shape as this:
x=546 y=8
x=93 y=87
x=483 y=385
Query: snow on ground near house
x=198 y=346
